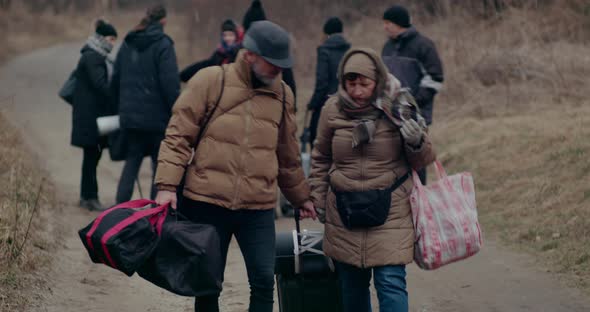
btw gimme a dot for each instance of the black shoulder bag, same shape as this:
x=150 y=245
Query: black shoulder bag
x=367 y=208
x=204 y=126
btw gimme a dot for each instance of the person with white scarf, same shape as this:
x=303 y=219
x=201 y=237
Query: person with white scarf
x=92 y=100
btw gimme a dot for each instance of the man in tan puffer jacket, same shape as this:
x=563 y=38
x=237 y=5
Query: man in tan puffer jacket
x=248 y=148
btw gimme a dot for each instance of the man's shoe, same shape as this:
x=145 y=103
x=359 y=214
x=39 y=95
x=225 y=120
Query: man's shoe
x=92 y=204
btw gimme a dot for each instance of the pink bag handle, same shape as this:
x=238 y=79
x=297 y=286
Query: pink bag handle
x=441 y=173
x=125 y=223
x=138 y=203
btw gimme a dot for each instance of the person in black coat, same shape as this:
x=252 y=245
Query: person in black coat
x=226 y=52
x=406 y=42
x=326 y=83
x=91 y=100
x=146 y=85
x=255 y=13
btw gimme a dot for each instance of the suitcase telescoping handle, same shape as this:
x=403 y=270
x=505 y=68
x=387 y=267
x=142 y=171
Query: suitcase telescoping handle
x=297 y=215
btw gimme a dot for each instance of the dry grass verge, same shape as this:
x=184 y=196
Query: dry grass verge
x=532 y=175
x=26 y=238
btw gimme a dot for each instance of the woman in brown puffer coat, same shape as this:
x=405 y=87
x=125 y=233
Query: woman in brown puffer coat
x=367 y=143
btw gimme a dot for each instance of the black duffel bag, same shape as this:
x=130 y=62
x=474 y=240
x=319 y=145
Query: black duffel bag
x=367 y=208
x=188 y=260
x=123 y=237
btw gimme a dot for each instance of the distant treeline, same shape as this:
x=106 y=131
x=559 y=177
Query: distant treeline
x=426 y=7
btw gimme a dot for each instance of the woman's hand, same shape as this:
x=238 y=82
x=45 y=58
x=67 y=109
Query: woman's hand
x=412 y=132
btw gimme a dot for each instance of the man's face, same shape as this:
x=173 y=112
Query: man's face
x=393 y=30
x=264 y=71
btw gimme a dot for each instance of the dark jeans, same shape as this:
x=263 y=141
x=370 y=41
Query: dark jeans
x=254 y=231
x=89 y=183
x=390 y=283
x=140 y=145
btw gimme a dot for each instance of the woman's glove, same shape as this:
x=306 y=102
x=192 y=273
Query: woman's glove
x=412 y=133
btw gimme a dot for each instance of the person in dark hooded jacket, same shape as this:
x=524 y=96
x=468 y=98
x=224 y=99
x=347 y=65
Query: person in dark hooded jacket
x=405 y=42
x=91 y=100
x=255 y=13
x=226 y=52
x=326 y=83
x=146 y=85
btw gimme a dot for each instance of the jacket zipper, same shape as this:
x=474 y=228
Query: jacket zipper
x=364 y=236
x=244 y=149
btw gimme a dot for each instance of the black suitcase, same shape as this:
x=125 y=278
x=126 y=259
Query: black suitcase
x=306 y=280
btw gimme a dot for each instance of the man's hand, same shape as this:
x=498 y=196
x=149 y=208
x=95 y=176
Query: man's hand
x=307 y=210
x=166 y=197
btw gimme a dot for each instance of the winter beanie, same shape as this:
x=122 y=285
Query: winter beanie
x=333 y=26
x=156 y=13
x=105 y=29
x=360 y=63
x=254 y=13
x=229 y=25
x=398 y=15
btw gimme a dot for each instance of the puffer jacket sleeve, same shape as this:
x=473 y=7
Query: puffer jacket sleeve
x=96 y=68
x=320 y=93
x=321 y=159
x=184 y=126
x=421 y=157
x=168 y=73
x=433 y=72
x=291 y=178
x=188 y=73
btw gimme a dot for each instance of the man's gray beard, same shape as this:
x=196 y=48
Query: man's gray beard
x=265 y=80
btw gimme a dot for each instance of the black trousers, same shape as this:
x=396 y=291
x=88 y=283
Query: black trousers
x=89 y=183
x=140 y=145
x=254 y=231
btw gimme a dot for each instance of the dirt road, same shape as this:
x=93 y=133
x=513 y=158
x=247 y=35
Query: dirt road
x=495 y=280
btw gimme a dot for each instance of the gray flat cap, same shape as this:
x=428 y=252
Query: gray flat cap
x=270 y=41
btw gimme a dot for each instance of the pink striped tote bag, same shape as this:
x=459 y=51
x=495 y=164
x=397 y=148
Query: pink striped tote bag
x=445 y=219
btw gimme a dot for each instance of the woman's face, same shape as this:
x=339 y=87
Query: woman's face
x=111 y=39
x=360 y=89
x=229 y=37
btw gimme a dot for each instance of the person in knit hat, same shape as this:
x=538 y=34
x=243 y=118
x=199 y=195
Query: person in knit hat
x=406 y=42
x=330 y=52
x=226 y=52
x=254 y=13
x=91 y=100
x=365 y=149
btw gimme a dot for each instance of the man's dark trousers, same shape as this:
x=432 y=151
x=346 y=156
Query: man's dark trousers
x=254 y=231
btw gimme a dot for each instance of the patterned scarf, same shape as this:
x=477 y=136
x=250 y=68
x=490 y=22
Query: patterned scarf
x=366 y=116
x=99 y=44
